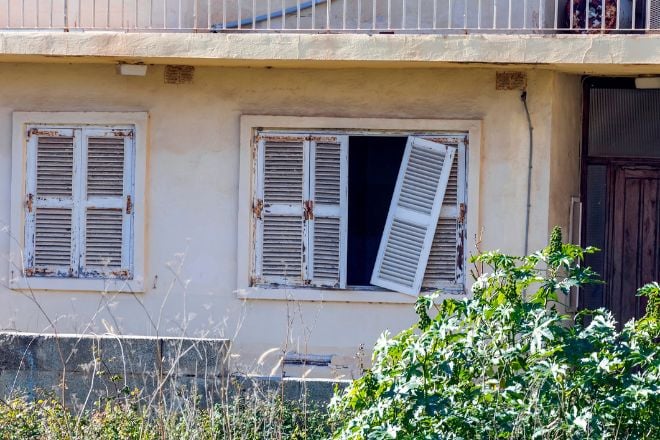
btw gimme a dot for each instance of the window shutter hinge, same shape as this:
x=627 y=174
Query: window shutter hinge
x=129 y=205
x=29 y=202
x=258 y=208
x=308 y=210
x=461 y=213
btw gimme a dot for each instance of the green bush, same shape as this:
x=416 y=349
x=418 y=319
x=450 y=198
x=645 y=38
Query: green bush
x=246 y=416
x=505 y=364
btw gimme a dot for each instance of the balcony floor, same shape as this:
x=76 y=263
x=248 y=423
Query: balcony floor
x=602 y=54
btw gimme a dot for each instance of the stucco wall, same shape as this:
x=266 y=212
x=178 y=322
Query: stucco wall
x=565 y=157
x=192 y=193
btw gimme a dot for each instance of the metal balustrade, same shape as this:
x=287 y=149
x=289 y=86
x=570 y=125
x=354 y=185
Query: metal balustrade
x=334 y=16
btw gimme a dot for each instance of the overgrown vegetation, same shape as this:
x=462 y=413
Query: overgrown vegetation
x=507 y=364
x=247 y=416
x=503 y=364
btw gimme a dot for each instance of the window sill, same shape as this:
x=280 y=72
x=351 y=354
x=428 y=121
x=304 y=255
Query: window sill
x=329 y=295
x=77 y=285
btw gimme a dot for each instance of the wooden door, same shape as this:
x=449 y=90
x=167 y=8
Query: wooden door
x=633 y=240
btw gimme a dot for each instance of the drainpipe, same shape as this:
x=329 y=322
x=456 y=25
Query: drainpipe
x=523 y=98
x=274 y=14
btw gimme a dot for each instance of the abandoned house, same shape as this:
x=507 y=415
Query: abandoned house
x=291 y=175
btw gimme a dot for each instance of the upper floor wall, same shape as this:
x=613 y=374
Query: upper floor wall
x=363 y=16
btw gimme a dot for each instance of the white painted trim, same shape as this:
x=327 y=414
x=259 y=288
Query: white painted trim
x=78 y=285
x=249 y=123
x=330 y=295
x=21 y=120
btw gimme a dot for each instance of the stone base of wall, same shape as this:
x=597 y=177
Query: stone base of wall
x=91 y=367
x=163 y=370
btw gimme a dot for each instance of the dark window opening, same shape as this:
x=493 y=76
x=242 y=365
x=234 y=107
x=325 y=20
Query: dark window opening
x=373 y=167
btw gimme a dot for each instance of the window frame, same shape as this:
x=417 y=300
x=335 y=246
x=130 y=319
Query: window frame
x=22 y=121
x=251 y=124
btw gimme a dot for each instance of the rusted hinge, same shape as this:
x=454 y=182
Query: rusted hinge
x=461 y=213
x=129 y=205
x=258 y=208
x=29 y=202
x=308 y=213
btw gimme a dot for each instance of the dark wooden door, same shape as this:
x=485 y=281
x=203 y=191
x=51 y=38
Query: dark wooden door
x=633 y=238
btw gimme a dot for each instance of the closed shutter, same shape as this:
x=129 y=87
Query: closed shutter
x=445 y=267
x=108 y=203
x=80 y=203
x=328 y=227
x=50 y=191
x=282 y=186
x=413 y=216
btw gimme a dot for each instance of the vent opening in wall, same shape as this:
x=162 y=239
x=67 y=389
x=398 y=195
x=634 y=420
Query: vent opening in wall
x=179 y=74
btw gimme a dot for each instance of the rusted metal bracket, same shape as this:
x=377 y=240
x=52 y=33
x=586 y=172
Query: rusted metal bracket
x=461 y=213
x=308 y=207
x=29 y=203
x=129 y=205
x=258 y=208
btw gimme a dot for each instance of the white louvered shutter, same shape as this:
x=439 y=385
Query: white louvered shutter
x=50 y=225
x=413 y=216
x=107 y=203
x=328 y=227
x=445 y=267
x=282 y=186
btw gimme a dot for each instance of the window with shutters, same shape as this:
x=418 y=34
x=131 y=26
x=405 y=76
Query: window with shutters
x=79 y=204
x=343 y=210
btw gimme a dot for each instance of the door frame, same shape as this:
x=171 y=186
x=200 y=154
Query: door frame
x=589 y=83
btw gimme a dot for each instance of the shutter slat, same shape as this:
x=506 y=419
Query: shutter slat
x=326 y=248
x=54 y=166
x=105 y=166
x=103 y=238
x=411 y=224
x=451 y=194
x=283 y=172
x=282 y=247
x=329 y=190
x=327 y=173
x=442 y=263
x=52 y=238
x=281 y=235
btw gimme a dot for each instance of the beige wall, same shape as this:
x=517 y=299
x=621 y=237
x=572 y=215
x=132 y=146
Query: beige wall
x=565 y=157
x=192 y=191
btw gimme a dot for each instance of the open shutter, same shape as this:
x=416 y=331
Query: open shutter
x=328 y=226
x=282 y=186
x=50 y=193
x=107 y=217
x=413 y=216
x=445 y=266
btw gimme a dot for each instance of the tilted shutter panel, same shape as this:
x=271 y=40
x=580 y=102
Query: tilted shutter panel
x=445 y=267
x=281 y=189
x=108 y=203
x=328 y=227
x=413 y=216
x=50 y=188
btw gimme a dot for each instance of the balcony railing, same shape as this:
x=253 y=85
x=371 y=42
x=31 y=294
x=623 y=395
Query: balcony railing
x=338 y=16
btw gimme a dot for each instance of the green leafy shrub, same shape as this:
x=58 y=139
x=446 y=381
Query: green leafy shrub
x=506 y=364
x=245 y=416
